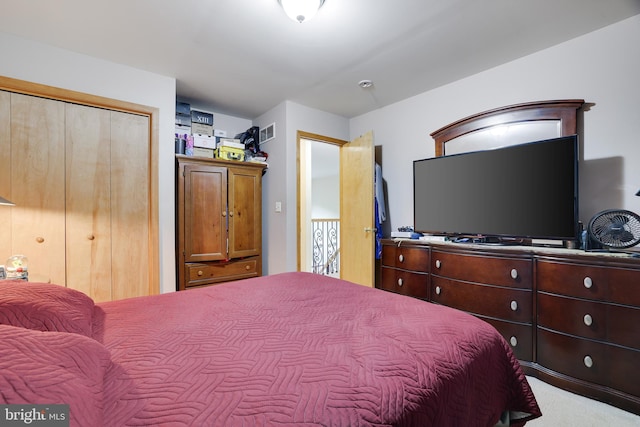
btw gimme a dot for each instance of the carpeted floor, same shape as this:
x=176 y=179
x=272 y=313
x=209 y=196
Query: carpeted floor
x=564 y=409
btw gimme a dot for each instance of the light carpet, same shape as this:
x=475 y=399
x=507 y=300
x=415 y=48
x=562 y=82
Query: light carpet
x=563 y=409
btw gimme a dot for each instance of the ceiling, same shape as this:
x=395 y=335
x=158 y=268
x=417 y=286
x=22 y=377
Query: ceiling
x=244 y=57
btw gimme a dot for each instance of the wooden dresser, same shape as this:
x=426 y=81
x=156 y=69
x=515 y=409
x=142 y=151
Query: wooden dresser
x=572 y=318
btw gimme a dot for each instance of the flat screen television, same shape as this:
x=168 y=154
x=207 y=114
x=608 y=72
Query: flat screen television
x=525 y=191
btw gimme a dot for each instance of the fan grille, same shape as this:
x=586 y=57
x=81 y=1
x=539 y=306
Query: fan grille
x=615 y=228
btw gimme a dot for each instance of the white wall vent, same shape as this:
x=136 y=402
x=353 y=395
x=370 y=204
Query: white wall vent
x=267 y=133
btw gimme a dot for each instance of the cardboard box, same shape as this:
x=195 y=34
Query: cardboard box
x=183 y=109
x=231 y=142
x=200 y=129
x=182 y=120
x=229 y=153
x=203 y=152
x=219 y=132
x=204 y=141
x=201 y=117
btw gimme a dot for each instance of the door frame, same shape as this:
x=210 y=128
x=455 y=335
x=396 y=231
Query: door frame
x=300 y=153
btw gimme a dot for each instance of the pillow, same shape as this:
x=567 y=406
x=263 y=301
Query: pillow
x=53 y=368
x=45 y=307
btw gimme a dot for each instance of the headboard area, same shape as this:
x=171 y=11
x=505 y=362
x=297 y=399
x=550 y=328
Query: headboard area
x=509 y=125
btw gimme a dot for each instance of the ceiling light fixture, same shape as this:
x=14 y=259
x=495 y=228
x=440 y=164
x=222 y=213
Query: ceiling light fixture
x=365 y=84
x=301 y=10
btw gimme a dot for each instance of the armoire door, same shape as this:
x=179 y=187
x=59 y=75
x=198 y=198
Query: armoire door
x=205 y=213
x=245 y=212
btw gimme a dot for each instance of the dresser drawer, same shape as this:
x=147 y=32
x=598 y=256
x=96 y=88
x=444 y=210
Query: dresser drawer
x=577 y=317
x=591 y=361
x=406 y=257
x=618 y=285
x=519 y=337
x=500 y=271
x=501 y=303
x=405 y=282
x=599 y=321
x=199 y=274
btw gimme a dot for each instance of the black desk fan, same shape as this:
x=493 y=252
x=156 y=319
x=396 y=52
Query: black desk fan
x=614 y=229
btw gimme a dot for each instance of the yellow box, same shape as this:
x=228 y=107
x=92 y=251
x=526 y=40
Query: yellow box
x=229 y=153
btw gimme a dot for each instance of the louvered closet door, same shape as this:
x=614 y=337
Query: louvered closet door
x=88 y=201
x=38 y=185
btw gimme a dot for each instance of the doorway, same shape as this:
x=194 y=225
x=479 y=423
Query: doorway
x=319 y=204
x=353 y=257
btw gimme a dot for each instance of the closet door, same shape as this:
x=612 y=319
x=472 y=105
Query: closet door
x=37 y=186
x=88 y=201
x=130 y=205
x=5 y=174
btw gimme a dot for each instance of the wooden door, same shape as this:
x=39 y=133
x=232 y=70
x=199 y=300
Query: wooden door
x=88 y=201
x=245 y=211
x=357 y=233
x=205 y=213
x=38 y=186
x=5 y=174
x=130 y=199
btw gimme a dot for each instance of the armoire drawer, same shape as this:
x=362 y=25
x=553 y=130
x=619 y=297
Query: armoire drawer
x=499 y=302
x=406 y=257
x=592 y=361
x=611 y=284
x=405 y=282
x=499 y=271
x=203 y=273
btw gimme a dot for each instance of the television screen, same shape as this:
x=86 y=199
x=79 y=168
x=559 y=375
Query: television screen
x=523 y=191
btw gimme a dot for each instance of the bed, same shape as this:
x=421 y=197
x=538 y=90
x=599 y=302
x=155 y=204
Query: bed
x=287 y=349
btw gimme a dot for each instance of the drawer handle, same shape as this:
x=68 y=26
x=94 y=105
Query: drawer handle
x=401 y=258
x=438 y=263
x=514 y=273
x=400 y=281
x=438 y=290
x=513 y=341
x=514 y=305
x=247 y=267
x=588 y=361
x=588 y=283
x=200 y=272
x=40 y=239
x=588 y=320
x=91 y=237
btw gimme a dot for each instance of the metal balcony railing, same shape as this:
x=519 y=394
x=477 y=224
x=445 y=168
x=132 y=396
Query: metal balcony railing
x=326 y=250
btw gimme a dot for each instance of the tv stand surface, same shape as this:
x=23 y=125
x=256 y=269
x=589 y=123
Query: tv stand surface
x=570 y=316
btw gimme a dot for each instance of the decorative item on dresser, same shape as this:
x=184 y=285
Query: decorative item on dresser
x=570 y=316
x=219 y=221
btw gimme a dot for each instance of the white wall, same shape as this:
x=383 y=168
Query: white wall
x=601 y=67
x=326 y=198
x=39 y=63
x=280 y=238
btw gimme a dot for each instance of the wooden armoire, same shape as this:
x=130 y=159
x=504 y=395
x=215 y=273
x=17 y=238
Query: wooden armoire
x=80 y=177
x=218 y=221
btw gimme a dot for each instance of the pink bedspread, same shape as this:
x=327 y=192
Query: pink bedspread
x=302 y=349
